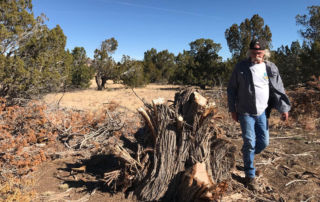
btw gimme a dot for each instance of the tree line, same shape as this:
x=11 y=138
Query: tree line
x=33 y=59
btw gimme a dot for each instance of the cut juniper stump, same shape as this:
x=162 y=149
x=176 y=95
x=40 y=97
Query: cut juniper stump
x=182 y=156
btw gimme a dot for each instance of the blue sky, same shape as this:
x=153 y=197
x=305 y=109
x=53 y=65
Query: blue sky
x=139 y=25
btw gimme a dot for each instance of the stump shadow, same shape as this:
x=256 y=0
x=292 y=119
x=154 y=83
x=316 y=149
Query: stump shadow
x=92 y=177
x=171 y=89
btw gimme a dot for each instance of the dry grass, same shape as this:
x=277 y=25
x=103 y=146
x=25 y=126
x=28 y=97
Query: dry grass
x=92 y=99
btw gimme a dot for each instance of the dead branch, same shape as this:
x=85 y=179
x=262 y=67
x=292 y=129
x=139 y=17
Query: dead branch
x=148 y=121
x=287 y=137
x=309 y=199
x=294 y=181
x=57 y=197
x=298 y=155
x=145 y=104
x=58 y=103
x=122 y=153
x=111 y=176
x=268 y=162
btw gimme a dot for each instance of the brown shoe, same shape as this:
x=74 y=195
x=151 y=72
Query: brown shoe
x=251 y=184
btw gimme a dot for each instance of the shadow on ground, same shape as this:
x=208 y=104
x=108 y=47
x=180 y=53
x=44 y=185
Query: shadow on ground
x=89 y=173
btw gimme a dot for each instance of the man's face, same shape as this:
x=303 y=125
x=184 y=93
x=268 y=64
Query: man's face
x=257 y=56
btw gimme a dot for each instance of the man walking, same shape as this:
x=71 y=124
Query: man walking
x=254 y=88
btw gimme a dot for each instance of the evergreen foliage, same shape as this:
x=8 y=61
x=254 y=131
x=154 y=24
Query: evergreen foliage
x=32 y=56
x=201 y=65
x=103 y=63
x=159 y=66
x=133 y=75
x=311 y=33
x=239 y=36
x=310 y=24
x=288 y=60
x=299 y=63
x=81 y=72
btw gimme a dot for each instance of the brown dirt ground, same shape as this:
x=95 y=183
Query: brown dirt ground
x=290 y=165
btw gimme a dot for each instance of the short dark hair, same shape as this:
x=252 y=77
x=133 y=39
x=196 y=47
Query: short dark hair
x=258 y=44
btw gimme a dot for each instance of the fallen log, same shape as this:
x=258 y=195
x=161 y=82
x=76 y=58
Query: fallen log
x=186 y=159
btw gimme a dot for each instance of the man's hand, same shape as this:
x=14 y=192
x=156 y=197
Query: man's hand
x=284 y=116
x=234 y=116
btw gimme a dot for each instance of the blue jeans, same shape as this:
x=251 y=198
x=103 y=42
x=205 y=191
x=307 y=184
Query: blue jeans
x=255 y=136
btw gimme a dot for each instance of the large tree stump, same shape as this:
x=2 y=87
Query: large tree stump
x=182 y=157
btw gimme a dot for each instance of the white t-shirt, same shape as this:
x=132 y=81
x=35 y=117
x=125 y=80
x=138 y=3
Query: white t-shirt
x=261 y=86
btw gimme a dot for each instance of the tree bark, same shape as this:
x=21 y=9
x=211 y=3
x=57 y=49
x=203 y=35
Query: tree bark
x=182 y=157
x=98 y=82
x=185 y=137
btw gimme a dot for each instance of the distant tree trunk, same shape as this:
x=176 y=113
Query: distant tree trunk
x=98 y=82
x=202 y=86
x=101 y=81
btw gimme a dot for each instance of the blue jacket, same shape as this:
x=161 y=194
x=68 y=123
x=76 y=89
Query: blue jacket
x=241 y=93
